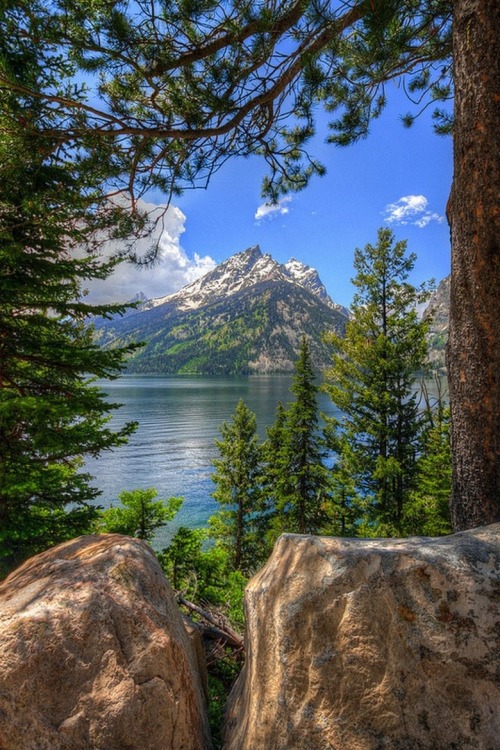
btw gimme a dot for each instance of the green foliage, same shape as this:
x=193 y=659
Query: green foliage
x=207 y=577
x=140 y=515
x=218 y=693
x=372 y=382
x=204 y=575
x=428 y=508
x=223 y=669
x=274 y=460
x=346 y=508
x=298 y=479
x=51 y=412
x=173 y=90
x=237 y=490
x=181 y=560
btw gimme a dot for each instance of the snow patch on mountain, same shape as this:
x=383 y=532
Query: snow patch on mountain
x=307 y=277
x=241 y=271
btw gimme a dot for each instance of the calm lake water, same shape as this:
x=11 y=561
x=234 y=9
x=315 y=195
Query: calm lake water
x=173 y=448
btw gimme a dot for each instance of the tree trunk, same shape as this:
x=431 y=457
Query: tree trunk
x=473 y=348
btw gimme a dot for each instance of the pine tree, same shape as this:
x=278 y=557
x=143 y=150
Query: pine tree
x=237 y=480
x=372 y=381
x=346 y=507
x=139 y=515
x=274 y=468
x=51 y=412
x=181 y=558
x=295 y=457
x=428 y=509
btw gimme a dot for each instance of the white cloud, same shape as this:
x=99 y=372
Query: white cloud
x=172 y=270
x=271 y=210
x=411 y=209
x=428 y=217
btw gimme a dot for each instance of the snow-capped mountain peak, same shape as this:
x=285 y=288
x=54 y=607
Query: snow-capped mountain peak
x=140 y=297
x=242 y=270
x=307 y=277
x=246 y=315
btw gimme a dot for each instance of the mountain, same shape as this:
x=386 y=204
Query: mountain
x=246 y=316
x=139 y=297
x=438 y=310
x=308 y=278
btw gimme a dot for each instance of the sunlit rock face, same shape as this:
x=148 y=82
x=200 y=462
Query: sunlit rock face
x=371 y=645
x=94 y=654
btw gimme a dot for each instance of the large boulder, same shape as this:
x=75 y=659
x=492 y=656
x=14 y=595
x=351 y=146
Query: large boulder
x=371 y=645
x=94 y=654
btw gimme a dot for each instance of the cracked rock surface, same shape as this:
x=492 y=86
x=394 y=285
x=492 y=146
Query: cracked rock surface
x=94 y=654
x=372 y=645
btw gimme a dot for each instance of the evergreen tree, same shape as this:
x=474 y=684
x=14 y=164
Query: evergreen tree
x=346 y=507
x=140 y=514
x=205 y=576
x=295 y=457
x=180 y=560
x=274 y=468
x=428 y=508
x=237 y=480
x=237 y=78
x=372 y=381
x=51 y=412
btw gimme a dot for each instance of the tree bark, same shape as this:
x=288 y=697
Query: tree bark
x=473 y=347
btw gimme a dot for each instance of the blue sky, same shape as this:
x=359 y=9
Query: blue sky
x=396 y=177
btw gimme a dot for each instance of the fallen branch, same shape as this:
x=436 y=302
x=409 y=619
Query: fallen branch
x=219 y=628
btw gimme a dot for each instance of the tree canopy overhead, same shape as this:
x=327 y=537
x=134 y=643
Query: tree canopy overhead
x=167 y=92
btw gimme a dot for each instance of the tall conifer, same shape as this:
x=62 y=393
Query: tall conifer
x=372 y=381
x=428 y=509
x=237 y=481
x=301 y=479
x=51 y=412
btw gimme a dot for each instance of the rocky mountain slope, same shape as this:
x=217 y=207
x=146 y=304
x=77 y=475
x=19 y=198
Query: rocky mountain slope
x=439 y=311
x=247 y=315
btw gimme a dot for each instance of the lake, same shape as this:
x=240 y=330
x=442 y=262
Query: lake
x=173 y=448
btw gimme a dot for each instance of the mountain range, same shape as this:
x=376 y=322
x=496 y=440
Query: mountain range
x=247 y=315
